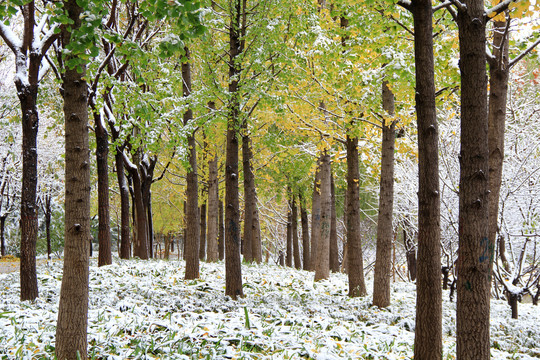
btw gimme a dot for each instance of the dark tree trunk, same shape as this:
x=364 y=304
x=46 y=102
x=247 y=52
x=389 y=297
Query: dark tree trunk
x=29 y=221
x=289 y=249
x=322 y=268
x=47 y=225
x=192 y=228
x=305 y=233
x=125 y=243
x=294 y=230
x=315 y=217
x=334 y=256
x=355 y=262
x=71 y=329
x=383 y=263
x=104 y=230
x=149 y=218
x=513 y=302
x=498 y=91
x=221 y=231
x=233 y=265
x=3 y=243
x=256 y=247
x=141 y=224
x=202 y=239
x=428 y=330
x=250 y=197
x=474 y=253
x=213 y=210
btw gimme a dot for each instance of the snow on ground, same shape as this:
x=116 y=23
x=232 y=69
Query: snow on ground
x=146 y=310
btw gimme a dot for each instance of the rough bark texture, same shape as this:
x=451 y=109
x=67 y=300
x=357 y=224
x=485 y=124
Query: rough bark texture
x=233 y=265
x=47 y=225
x=474 y=254
x=305 y=234
x=334 y=256
x=104 y=230
x=498 y=92
x=289 y=249
x=257 y=242
x=202 y=232
x=140 y=248
x=355 y=262
x=315 y=217
x=125 y=242
x=213 y=210
x=428 y=330
x=383 y=262
x=71 y=329
x=250 y=199
x=322 y=266
x=192 y=236
x=294 y=230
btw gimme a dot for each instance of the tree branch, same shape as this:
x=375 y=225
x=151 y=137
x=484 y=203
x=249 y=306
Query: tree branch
x=499 y=8
x=524 y=53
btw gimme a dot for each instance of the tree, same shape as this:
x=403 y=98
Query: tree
x=355 y=262
x=29 y=52
x=71 y=329
x=383 y=263
x=322 y=266
x=191 y=240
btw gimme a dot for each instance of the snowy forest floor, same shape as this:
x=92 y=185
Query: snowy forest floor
x=146 y=310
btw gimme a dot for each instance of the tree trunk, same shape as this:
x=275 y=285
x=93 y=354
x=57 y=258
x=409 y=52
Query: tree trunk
x=202 y=241
x=104 y=230
x=334 y=256
x=233 y=266
x=47 y=225
x=383 y=263
x=29 y=222
x=315 y=217
x=221 y=231
x=125 y=242
x=213 y=210
x=513 y=302
x=294 y=230
x=256 y=247
x=355 y=262
x=498 y=91
x=428 y=330
x=250 y=197
x=2 y=228
x=141 y=239
x=474 y=253
x=305 y=234
x=192 y=228
x=289 y=250
x=71 y=329
x=322 y=268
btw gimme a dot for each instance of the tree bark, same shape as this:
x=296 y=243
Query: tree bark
x=47 y=225
x=192 y=228
x=202 y=232
x=102 y=153
x=250 y=197
x=2 y=239
x=213 y=210
x=289 y=250
x=233 y=266
x=125 y=241
x=498 y=92
x=383 y=262
x=305 y=234
x=315 y=217
x=428 y=330
x=71 y=329
x=355 y=262
x=474 y=253
x=294 y=230
x=334 y=256
x=322 y=268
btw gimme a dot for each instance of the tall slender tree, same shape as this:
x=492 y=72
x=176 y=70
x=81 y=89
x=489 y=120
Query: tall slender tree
x=191 y=239
x=71 y=329
x=322 y=268
x=29 y=53
x=383 y=262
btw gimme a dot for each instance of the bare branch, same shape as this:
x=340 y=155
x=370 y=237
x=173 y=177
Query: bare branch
x=524 y=53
